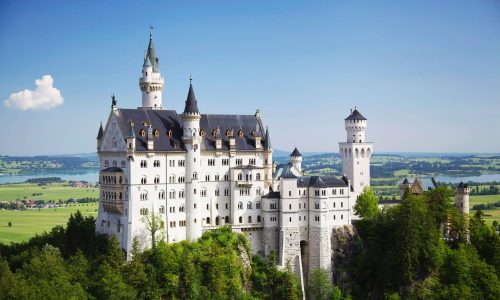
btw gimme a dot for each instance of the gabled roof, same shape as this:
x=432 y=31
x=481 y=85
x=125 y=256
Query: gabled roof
x=296 y=153
x=417 y=187
x=405 y=182
x=168 y=120
x=288 y=174
x=191 y=103
x=320 y=181
x=355 y=115
x=462 y=185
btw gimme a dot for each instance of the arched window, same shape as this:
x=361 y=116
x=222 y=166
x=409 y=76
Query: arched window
x=240 y=205
x=161 y=195
x=181 y=194
x=171 y=194
x=144 y=180
x=249 y=205
x=240 y=176
x=195 y=175
x=240 y=219
x=217 y=220
x=156 y=132
x=170 y=133
x=258 y=219
x=257 y=177
x=142 y=132
x=208 y=220
x=161 y=209
x=240 y=133
x=257 y=205
x=249 y=219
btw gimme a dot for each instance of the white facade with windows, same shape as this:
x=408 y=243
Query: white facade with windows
x=198 y=172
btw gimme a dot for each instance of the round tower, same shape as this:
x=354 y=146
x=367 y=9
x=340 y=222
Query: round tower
x=151 y=82
x=403 y=187
x=296 y=159
x=356 y=152
x=462 y=198
x=192 y=141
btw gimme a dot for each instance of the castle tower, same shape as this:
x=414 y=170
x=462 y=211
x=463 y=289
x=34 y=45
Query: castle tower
x=356 y=152
x=296 y=159
x=462 y=198
x=151 y=82
x=192 y=140
x=403 y=187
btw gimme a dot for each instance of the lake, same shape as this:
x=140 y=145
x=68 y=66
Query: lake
x=75 y=175
x=480 y=178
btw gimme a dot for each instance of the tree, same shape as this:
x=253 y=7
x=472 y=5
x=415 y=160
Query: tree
x=366 y=205
x=154 y=226
x=319 y=285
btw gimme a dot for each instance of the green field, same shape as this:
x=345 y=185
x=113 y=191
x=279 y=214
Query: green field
x=27 y=223
x=54 y=191
x=483 y=199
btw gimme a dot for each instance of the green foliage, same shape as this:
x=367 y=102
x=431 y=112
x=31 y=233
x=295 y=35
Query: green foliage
x=367 y=204
x=320 y=287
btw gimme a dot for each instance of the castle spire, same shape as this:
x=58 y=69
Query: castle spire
x=151 y=82
x=191 y=102
x=267 y=140
x=100 y=133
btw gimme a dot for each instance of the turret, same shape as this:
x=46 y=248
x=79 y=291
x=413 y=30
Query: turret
x=151 y=82
x=462 y=198
x=405 y=185
x=99 y=137
x=268 y=160
x=192 y=141
x=296 y=159
x=131 y=138
x=355 y=126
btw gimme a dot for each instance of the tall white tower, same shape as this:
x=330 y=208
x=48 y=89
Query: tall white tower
x=151 y=82
x=192 y=140
x=296 y=159
x=356 y=152
x=462 y=198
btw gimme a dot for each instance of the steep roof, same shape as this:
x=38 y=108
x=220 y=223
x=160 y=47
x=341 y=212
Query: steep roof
x=168 y=120
x=355 y=115
x=320 y=182
x=405 y=182
x=191 y=103
x=267 y=140
x=296 y=152
x=100 y=133
x=151 y=55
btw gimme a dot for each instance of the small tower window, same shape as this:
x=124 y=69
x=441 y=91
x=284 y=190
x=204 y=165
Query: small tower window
x=202 y=132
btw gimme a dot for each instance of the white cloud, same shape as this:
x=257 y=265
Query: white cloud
x=44 y=97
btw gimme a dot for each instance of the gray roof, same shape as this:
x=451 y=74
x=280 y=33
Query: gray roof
x=288 y=174
x=152 y=56
x=355 y=115
x=267 y=140
x=165 y=120
x=100 y=133
x=275 y=195
x=320 y=182
x=191 y=103
x=112 y=170
x=383 y=202
x=406 y=181
x=296 y=152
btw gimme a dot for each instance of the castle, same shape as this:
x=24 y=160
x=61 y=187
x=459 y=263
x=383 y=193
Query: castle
x=195 y=172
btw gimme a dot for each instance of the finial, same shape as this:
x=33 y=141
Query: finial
x=190 y=79
x=355 y=107
x=113 y=100
x=151 y=31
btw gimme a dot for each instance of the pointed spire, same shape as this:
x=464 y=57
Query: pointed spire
x=151 y=55
x=100 y=133
x=296 y=153
x=191 y=103
x=131 y=133
x=267 y=140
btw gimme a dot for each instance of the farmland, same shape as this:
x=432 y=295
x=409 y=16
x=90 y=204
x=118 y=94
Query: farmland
x=49 y=192
x=27 y=223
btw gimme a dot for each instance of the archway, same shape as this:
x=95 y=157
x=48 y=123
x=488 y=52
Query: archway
x=304 y=255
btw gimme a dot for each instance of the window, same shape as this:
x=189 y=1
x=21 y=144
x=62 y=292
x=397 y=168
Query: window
x=144 y=195
x=240 y=176
x=143 y=211
x=144 y=164
x=171 y=194
x=181 y=208
x=171 y=178
x=226 y=192
x=249 y=205
x=239 y=161
x=170 y=133
x=181 y=163
x=257 y=205
x=244 y=192
x=290 y=193
x=316 y=205
x=289 y=206
x=251 y=161
x=342 y=191
x=142 y=132
x=225 y=162
x=341 y=204
x=226 y=220
x=182 y=179
x=258 y=191
x=249 y=219
x=241 y=220
x=257 y=176
x=207 y=177
x=161 y=210
x=208 y=220
x=181 y=194
x=195 y=175
x=144 y=180
x=316 y=218
x=334 y=191
x=217 y=177
x=323 y=193
x=157 y=180
x=217 y=192
x=211 y=162
x=316 y=193
x=273 y=205
x=156 y=133
x=226 y=177
x=258 y=219
x=240 y=205
x=161 y=195
x=156 y=164
x=203 y=193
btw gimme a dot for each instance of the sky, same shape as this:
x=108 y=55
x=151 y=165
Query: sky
x=426 y=74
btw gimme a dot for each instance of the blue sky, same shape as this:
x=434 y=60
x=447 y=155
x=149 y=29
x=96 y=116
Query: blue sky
x=426 y=74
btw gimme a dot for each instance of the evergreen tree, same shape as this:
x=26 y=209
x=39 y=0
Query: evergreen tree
x=366 y=205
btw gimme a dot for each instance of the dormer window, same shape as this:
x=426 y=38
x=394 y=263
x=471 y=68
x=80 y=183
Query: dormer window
x=214 y=133
x=254 y=133
x=202 y=132
x=156 y=133
x=240 y=133
x=229 y=133
x=170 y=132
x=142 y=132
x=145 y=124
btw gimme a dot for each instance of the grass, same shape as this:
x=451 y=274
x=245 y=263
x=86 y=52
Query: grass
x=54 y=191
x=27 y=223
x=473 y=200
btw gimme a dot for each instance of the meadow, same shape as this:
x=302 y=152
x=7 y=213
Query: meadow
x=27 y=223
x=53 y=191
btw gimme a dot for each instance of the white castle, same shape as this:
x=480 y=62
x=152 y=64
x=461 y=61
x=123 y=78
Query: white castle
x=198 y=172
